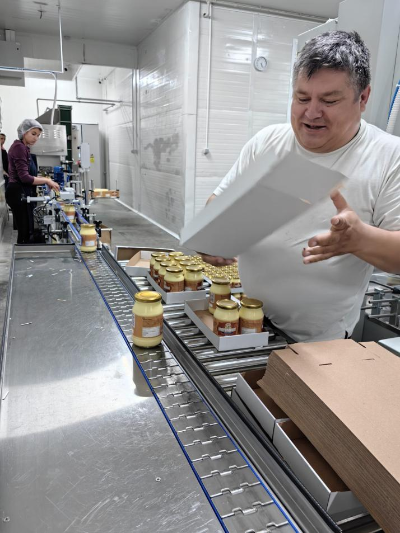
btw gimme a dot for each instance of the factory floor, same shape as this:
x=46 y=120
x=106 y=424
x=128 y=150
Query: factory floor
x=128 y=229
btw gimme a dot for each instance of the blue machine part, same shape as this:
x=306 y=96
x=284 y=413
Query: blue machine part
x=59 y=175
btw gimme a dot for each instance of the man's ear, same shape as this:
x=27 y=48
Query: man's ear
x=364 y=96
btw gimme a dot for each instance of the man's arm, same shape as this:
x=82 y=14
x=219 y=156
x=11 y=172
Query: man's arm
x=349 y=235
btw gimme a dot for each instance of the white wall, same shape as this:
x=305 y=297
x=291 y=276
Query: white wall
x=121 y=132
x=242 y=100
x=165 y=102
x=19 y=103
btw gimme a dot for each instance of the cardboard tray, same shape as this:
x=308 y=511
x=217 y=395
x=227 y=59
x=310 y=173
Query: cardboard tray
x=138 y=258
x=250 y=340
x=105 y=234
x=261 y=406
x=176 y=297
x=315 y=473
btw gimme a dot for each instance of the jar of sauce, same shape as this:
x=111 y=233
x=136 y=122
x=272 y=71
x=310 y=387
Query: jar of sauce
x=176 y=254
x=194 y=278
x=220 y=290
x=69 y=210
x=147 y=323
x=226 y=318
x=157 y=263
x=89 y=238
x=152 y=261
x=184 y=264
x=251 y=316
x=162 y=271
x=174 y=280
x=235 y=283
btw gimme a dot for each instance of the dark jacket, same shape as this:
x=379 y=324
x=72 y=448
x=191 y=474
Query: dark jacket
x=19 y=158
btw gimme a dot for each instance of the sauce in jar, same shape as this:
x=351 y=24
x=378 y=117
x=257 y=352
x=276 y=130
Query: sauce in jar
x=220 y=290
x=174 y=280
x=89 y=238
x=226 y=318
x=194 y=278
x=147 y=324
x=251 y=316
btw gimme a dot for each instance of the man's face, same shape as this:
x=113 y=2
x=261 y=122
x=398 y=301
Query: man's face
x=2 y=140
x=32 y=136
x=326 y=110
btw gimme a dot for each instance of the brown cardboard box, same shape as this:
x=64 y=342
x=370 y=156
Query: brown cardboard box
x=345 y=398
x=106 y=234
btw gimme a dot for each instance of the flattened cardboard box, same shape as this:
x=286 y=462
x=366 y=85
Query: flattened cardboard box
x=345 y=398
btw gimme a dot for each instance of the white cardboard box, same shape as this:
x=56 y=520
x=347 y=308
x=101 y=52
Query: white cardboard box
x=176 y=297
x=315 y=473
x=138 y=258
x=272 y=192
x=260 y=405
x=250 y=340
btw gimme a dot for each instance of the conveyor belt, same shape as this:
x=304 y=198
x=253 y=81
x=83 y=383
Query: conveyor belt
x=239 y=497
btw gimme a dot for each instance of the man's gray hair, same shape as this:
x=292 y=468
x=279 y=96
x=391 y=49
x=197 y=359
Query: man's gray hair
x=337 y=50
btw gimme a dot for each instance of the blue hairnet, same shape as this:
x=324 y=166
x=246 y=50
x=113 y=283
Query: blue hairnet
x=26 y=125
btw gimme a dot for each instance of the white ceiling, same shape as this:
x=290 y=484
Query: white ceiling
x=120 y=21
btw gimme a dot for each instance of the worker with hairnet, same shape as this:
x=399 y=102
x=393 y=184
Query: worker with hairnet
x=21 y=181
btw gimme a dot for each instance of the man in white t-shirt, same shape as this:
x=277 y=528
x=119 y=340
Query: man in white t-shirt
x=312 y=274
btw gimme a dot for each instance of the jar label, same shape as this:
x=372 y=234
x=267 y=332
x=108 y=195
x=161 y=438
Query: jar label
x=152 y=271
x=236 y=285
x=250 y=326
x=155 y=275
x=71 y=218
x=193 y=285
x=214 y=298
x=225 y=329
x=174 y=286
x=88 y=241
x=160 y=281
x=147 y=327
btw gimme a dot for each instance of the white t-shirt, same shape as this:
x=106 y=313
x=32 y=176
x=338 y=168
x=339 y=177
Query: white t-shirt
x=321 y=301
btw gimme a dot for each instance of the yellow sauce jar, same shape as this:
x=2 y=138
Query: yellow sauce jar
x=147 y=322
x=174 y=280
x=194 y=278
x=89 y=238
x=69 y=210
x=152 y=261
x=251 y=316
x=157 y=263
x=220 y=290
x=184 y=264
x=162 y=271
x=176 y=254
x=226 y=318
x=236 y=283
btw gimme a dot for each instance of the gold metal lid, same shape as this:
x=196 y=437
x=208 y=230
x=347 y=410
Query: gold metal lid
x=229 y=305
x=87 y=226
x=186 y=262
x=194 y=268
x=221 y=281
x=176 y=254
x=161 y=258
x=174 y=270
x=251 y=303
x=155 y=254
x=147 y=296
x=166 y=263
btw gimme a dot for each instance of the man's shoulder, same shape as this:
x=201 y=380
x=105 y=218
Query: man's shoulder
x=380 y=137
x=273 y=135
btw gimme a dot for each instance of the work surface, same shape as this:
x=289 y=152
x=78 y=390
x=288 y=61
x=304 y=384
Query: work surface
x=75 y=427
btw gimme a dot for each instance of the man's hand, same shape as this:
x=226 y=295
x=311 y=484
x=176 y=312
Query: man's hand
x=344 y=237
x=217 y=261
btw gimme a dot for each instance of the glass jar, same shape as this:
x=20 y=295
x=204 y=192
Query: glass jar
x=174 y=280
x=251 y=316
x=69 y=210
x=147 y=323
x=184 y=264
x=157 y=263
x=235 y=283
x=220 y=290
x=226 y=318
x=152 y=261
x=89 y=238
x=194 y=278
x=162 y=271
x=176 y=254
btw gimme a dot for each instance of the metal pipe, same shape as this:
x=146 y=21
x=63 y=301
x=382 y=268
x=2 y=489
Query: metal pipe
x=209 y=15
x=106 y=101
x=69 y=101
x=269 y=11
x=55 y=100
x=61 y=43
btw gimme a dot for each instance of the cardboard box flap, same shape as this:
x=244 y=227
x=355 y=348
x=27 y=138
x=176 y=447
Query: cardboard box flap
x=252 y=377
x=274 y=190
x=313 y=457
